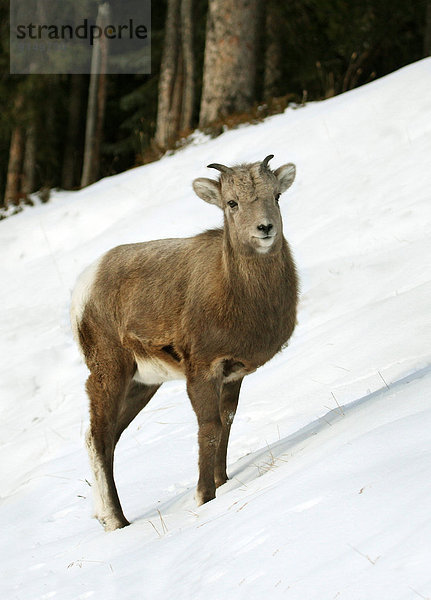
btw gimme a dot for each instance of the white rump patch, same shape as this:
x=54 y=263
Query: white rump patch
x=80 y=295
x=154 y=371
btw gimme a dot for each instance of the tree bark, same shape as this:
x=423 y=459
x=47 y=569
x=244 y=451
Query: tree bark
x=189 y=66
x=29 y=166
x=230 y=58
x=168 y=72
x=90 y=127
x=16 y=156
x=101 y=104
x=69 y=172
x=14 y=172
x=272 y=72
x=175 y=112
x=177 y=71
x=96 y=102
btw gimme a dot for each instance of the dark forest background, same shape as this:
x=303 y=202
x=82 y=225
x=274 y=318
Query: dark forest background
x=215 y=63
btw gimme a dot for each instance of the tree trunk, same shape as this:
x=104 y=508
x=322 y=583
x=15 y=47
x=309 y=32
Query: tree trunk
x=14 y=172
x=176 y=84
x=168 y=71
x=101 y=103
x=90 y=127
x=272 y=72
x=96 y=102
x=71 y=154
x=189 y=66
x=230 y=58
x=29 y=166
x=16 y=157
x=177 y=97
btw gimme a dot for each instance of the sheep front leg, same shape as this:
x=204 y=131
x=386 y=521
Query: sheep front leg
x=205 y=399
x=228 y=405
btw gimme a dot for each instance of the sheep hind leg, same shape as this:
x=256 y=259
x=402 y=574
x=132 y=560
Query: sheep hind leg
x=106 y=391
x=228 y=405
x=137 y=397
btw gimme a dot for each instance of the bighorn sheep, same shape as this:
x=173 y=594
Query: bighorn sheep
x=209 y=309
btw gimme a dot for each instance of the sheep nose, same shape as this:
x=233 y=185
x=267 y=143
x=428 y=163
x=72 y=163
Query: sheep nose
x=265 y=228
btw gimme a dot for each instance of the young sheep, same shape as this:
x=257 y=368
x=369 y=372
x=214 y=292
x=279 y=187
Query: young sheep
x=209 y=309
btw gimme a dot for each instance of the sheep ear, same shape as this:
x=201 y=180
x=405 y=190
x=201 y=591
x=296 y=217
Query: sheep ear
x=208 y=190
x=286 y=176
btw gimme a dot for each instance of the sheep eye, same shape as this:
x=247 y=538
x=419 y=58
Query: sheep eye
x=232 y=203
x=277 y=197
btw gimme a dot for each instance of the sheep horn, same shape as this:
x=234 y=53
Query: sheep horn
x=220 y=168
x=266 y=160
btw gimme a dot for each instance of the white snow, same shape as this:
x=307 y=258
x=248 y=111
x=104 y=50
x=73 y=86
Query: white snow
x=330 y=454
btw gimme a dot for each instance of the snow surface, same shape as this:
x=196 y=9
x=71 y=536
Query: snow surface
x=330 y=489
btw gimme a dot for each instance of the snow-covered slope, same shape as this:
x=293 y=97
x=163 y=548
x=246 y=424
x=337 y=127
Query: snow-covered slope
x=330 y=454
